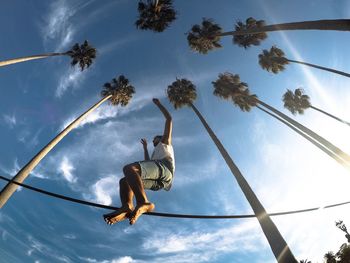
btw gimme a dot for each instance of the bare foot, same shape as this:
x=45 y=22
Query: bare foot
x=117 y=216
x=139 y=210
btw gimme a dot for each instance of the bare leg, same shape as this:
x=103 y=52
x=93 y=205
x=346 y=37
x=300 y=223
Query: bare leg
x=124 y=212
x=133 y=176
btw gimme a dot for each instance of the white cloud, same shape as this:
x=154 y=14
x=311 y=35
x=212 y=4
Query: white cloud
x=10 y=120
x=116 y=44
x=4 y=234
x=188 y=174
x=37 y=247
x=66 y=168
x=125 y=259
x=206 y=245
x=71 y=79
x=105 y=188
x=28 y=138
x=107 y=111
x=103 y=112
x=70 y=236
x=58 y=27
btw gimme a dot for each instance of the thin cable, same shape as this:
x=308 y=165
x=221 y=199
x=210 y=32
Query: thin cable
x=83 y=202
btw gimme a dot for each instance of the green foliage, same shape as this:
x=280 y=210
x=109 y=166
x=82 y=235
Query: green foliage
x=248 y=40
x=229 y=86
x=182 y=92
x=245 y=101
x=205 y=37
x=296 y=102
x=155 y=15
x=339 y=224
x=120 y=89
x=82 y=55
x=343 y=255
x=273 y=60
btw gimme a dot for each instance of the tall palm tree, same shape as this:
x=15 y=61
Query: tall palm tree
x=82 y=54
x=329 y=257
x=344 y=253
x=298 y=101
x=252 y=32
x=181 y=93
x=118 y=92
x=274 y=61
x=156 y=15
x=339 y=224
x=242 y=98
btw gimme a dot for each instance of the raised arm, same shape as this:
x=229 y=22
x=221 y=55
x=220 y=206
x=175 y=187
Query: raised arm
x=168 y=123
x=145 y=150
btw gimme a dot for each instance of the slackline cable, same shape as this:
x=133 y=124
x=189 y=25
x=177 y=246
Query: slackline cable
x=83 y=202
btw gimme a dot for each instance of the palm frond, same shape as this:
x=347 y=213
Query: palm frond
x=120 y=89
x=248 y=40
x=297 y=101
x=273 y=60
x=82 y=55
x=156 y=17
x=205 y=37
x=181 y=92
x=228 y=85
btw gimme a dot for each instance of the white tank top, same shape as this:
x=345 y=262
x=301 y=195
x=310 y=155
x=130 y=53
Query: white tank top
x=162 y=151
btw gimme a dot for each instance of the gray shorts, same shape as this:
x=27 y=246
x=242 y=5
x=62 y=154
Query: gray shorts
x=156 y=175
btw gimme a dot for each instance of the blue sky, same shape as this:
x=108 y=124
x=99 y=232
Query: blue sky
x=40 y=97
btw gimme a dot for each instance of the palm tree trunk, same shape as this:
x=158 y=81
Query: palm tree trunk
x=23 y=59
x=278 y=245
x=309 y=132
x=320 y=146
x=320 y=67
x=10 y=188
x=330 y=115
x=335 y=24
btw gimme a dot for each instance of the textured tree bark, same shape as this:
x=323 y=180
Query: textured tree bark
x=330 y=115
x=309 y=132
x=320 y=67
x=23 y=59
x=277 y=243
x=336 y=24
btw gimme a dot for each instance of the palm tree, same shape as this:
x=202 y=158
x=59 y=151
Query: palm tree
x=205 y=37
x=298 y=101
x=241 y=97
x=253 y=32
x=274 y=61
x=339 y=224
x=155 y=15
x=118 y=92
x=181 y=93
x=82 y=54
x=330 y=257
x=343 y=255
